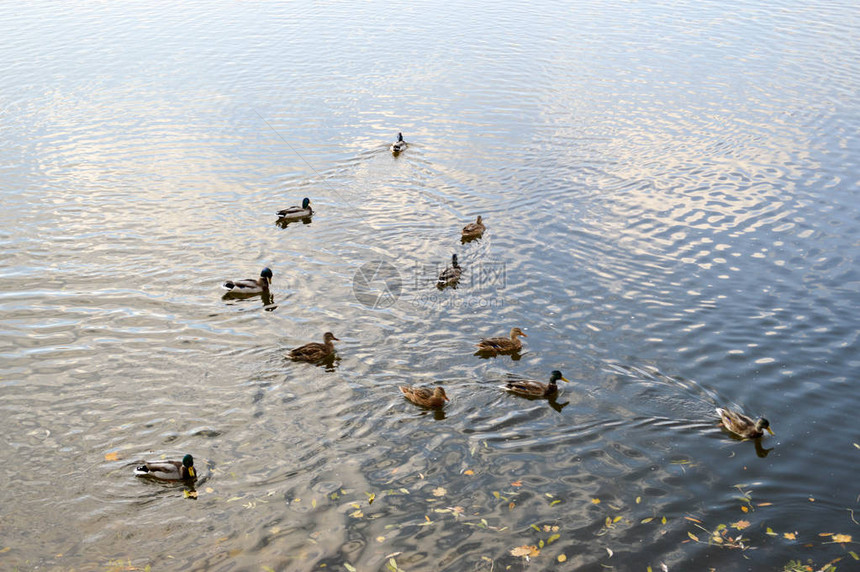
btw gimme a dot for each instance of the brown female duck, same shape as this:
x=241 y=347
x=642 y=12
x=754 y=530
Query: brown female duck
x=502 y=345
x=425 y=397
x=314 y=351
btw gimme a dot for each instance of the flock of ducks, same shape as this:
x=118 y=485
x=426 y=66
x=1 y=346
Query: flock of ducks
x=314 y=352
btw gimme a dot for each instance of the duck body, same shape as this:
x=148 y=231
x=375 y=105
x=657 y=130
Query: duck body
x=399 y=144
x=743 y=426
x=314 y=351
x=474 y=229
x=502 y=345
x=169 y=470
x=295 y=212
x=451 y=274
x=425 y=397
x=531 y=388
x=251 y=285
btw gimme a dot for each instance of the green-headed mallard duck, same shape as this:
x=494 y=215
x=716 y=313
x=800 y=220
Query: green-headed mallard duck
x=743 y=426
x=251 y=285
x=314 y=352
x=169 y=470
x=303 y=211
x=450 y=275
x=474 y=229
x=530 y=388
x=399 y=145
x=502 y=345
x=425 y=397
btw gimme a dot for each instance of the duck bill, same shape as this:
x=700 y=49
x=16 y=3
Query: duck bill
x=565 y=379
x=769 y=430
x=191 y=473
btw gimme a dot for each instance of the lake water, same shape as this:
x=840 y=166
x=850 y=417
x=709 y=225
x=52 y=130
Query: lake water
x=670 y=191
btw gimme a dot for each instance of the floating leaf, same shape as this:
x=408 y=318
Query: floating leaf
x=595 y=501
x=744 y=508
x=370 y=497
x=112 y=456
x=790 y=535
x=856 y=445
x=190 y=494
x=638 y=500
x=392 y=565
x=355 y=505
x=663 y=520
x=770 y=532
x=556 y=501
x=840 y=538
x=691 y=519
x=356 y=514
x=380 y=539
x=693 y=536
x=511 y=505
x=496 y=494
x=616 y=519
x=609 y=550
x=553 y=538
x=469 y=472
x=540 y=544
x=439 y=492
x=313 y=503
x=209 y=490
x=741 y=524
x=765 y=504
x=853 y=555
x=517 y=484
x=608 y=522
x=561 y=558
x=525 y=551
x=349 y=567
x=646 y=520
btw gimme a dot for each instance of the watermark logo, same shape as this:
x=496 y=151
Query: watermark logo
x=377 y=284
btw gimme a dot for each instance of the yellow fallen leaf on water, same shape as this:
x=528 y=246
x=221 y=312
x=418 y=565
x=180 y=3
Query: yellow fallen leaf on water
x=841 y=538
x=693 y=536
x=595 y=501
x=469 y=472
x=209 y=490
x=5 y=549
x=370 y=497
x=691 y=519
x=112 y=456
x=646 y=520
x=765 y=504
x=744 y=508
x=525 y=551
x=561 y=558
x=356 y=514
x=380 y=539
x=439 y=492
x=511 y=505
x=741 y=524
x=770 y=532
x=790 y=535
x=638 y=500
x=663 y=520
x=517 y=484
x=190 y=494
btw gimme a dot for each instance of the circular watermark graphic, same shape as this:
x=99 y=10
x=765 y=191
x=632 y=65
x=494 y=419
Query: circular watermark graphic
x=377 y=284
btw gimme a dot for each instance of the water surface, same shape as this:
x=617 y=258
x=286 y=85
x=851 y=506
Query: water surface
x=669 y=191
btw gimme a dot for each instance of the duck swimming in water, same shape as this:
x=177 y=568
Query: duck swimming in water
x=425 y=397
x=294 y=212
x=451 y=274
x=399 y=145
x=530 y=388
x=168 y=470
x=250 y=285
x=502 y=345
x=743 y=426
x=474 y=229
x=314 y=351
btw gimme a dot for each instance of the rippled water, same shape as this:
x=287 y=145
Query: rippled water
x=669 y=191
